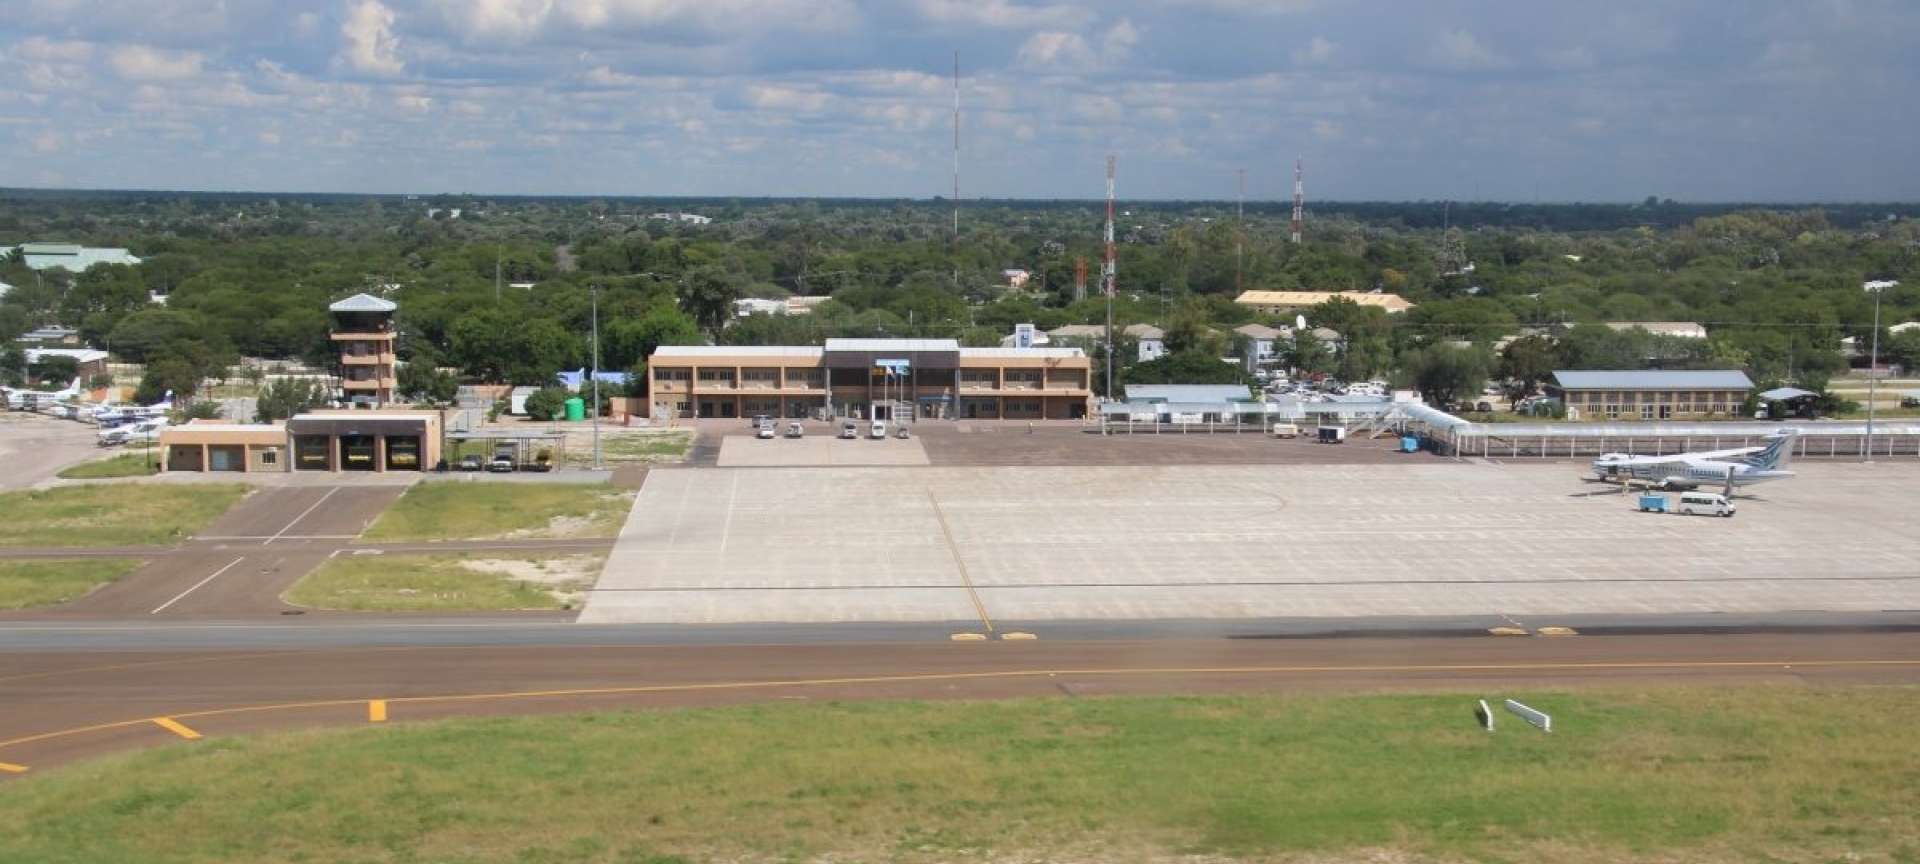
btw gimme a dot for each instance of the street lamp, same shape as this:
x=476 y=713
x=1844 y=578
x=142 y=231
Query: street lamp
x=594 y=291
x=1877 y=287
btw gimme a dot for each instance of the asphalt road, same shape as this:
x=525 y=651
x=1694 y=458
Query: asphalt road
x=66 y=705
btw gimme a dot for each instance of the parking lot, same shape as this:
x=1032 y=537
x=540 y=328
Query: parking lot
x=1427 y=537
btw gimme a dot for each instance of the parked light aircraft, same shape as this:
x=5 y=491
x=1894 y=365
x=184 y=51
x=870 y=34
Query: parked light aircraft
x=1742 y=466
x=21 y=400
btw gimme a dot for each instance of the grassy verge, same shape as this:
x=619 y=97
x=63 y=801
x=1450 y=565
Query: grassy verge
x=636 y=447
x=488 y=511
x=25 y=584
x=123 y=465
x=116 y=515
x=1761 y=773
x=447 y=582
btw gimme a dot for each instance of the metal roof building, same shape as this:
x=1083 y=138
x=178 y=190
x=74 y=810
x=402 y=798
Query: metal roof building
x=1652 y=379
x=70 y=256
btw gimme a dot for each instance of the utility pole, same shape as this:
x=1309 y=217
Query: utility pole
x=1107 y=277
x=1878 y=287
x=496 y=272
x=955 y=251
x=1239 y=228
x=594 y=292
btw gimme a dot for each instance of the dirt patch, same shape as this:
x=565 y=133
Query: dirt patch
x=567 y=577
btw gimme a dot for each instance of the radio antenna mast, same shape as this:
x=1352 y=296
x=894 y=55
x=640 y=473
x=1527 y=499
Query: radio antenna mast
x=1107 y=276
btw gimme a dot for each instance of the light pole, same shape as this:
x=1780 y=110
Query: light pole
x=594 y=291
x=1878 y=287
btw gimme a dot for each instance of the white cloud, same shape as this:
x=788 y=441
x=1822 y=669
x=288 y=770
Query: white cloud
x=141 y=63
x=1002 y=14
x=46 y=142
x=1054 y=48
x=1119 y=40
x=1327 y=130
x=779 y=98
x=269 y=137
x=368 y=41
x=54 y=50
x=1318 y=51
x=1460 y=49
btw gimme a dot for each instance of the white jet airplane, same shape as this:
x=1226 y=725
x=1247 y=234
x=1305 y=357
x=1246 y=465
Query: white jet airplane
x=1742 y=466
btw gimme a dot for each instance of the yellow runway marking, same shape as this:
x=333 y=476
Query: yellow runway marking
x=969 y=637
x=1018 y=637
x=1520 y=668
x=1557 y=631
x=10 y=768
x=959 y=563
x=376 y=710
x=1507 y=631
x=176 y=727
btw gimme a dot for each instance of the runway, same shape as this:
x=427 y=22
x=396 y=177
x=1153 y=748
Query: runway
x=66 y=705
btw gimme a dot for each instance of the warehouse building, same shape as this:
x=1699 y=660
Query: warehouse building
x=1653 y=394
x=882 y=379
x=345 y=440
x=1286 y=302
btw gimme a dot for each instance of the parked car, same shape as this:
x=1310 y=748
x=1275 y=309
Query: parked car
x=762 y=421
x=502 y=464
x=849 y=429
x=795 y=430
x=1285 y=430
x=902 y=432
x=764 y=432
x=470 y=462
x=878 y=430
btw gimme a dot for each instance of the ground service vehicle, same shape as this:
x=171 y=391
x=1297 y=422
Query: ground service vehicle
x=1705 y=504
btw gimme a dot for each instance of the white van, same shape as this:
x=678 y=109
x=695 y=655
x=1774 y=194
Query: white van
x=1285 y=430
x=1705 y=504
x=878 y=431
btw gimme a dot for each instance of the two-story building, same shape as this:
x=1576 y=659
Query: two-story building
x=1650 y=394
x=871 y=378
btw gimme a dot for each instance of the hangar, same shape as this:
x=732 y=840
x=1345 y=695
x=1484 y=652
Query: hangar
x=319 y=441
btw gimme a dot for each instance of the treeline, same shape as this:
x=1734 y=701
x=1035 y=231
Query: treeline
x=251 y=275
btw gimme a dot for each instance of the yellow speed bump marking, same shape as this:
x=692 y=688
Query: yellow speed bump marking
x=1018 y=637
x=10 y=768
x=376 y=710
x=1557 y=631
x=176 y=727
x=969 y=637
x=1507 y=631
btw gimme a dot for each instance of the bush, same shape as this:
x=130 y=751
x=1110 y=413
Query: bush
x=547 y=403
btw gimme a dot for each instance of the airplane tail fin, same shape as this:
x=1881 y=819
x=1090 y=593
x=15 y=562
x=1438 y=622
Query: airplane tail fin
x=1777 y=453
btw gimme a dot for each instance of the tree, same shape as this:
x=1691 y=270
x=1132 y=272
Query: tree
x=1528 y=362
x=1903 y=349
x=548 y=403
x=142 y=333
x=205 y=409
x=1186 y=367
x=627 y=341
x=54 y=368
x=493 y=345
x=173 y=375
x=100 y=297
x=1307 y=354
x=707 y=294
x=1444 y=374
x=423 y=384
x=13 y=366
x=284 y=397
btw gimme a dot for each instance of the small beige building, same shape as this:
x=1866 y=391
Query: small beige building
x=329 y=440
x=215 y=446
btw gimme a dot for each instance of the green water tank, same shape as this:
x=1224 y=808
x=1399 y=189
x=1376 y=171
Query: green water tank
x=576 y=408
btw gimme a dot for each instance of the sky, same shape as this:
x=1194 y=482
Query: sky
x=1542 y=100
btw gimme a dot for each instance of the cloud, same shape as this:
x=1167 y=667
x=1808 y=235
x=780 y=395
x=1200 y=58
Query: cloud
x=1053 y=48
x=141 y=63
x=54 y=50
x=1459 y=49
x=1002 y=14
x=46 y=142
x=368 y=43
x=1318 y=51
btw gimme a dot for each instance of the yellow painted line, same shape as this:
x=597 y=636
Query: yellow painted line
x=969 y=637
x=1507 y=631
x=10 y=768
x=1557 y=631
x=1018 y=637
x=774 y=684
x=376 y=710
x=176 y=727
x=959 y=563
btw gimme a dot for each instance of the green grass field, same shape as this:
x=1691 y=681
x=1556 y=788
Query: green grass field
x=112 y=515
x=1767 y=773
x=642 y=447
x=447 y=582
x=447 y=510
x=43 y=582
x=123 y=465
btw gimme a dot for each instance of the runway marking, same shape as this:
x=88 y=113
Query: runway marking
x=176 y=727
x=278 y=537
x=1556 y=631
x=376 y=710
x=10 y=768
x=1018 y=637
x=1144 y=671
x=726 y=525
x=968 y=637
x=196 y=586
x=303 y=515
x=959 y=563
x=1507 y=631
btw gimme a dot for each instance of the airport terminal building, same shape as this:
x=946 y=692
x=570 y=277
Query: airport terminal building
x=882 y=379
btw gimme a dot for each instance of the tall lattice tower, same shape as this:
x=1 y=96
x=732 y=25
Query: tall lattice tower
x=1079 y=279
x=1107 y=269
x=1299 y=200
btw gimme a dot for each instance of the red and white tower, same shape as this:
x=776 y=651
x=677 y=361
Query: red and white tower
x=1107 y=276
x=1299 y=200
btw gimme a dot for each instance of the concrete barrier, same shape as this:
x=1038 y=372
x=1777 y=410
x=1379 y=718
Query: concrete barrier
x=1536 y=717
